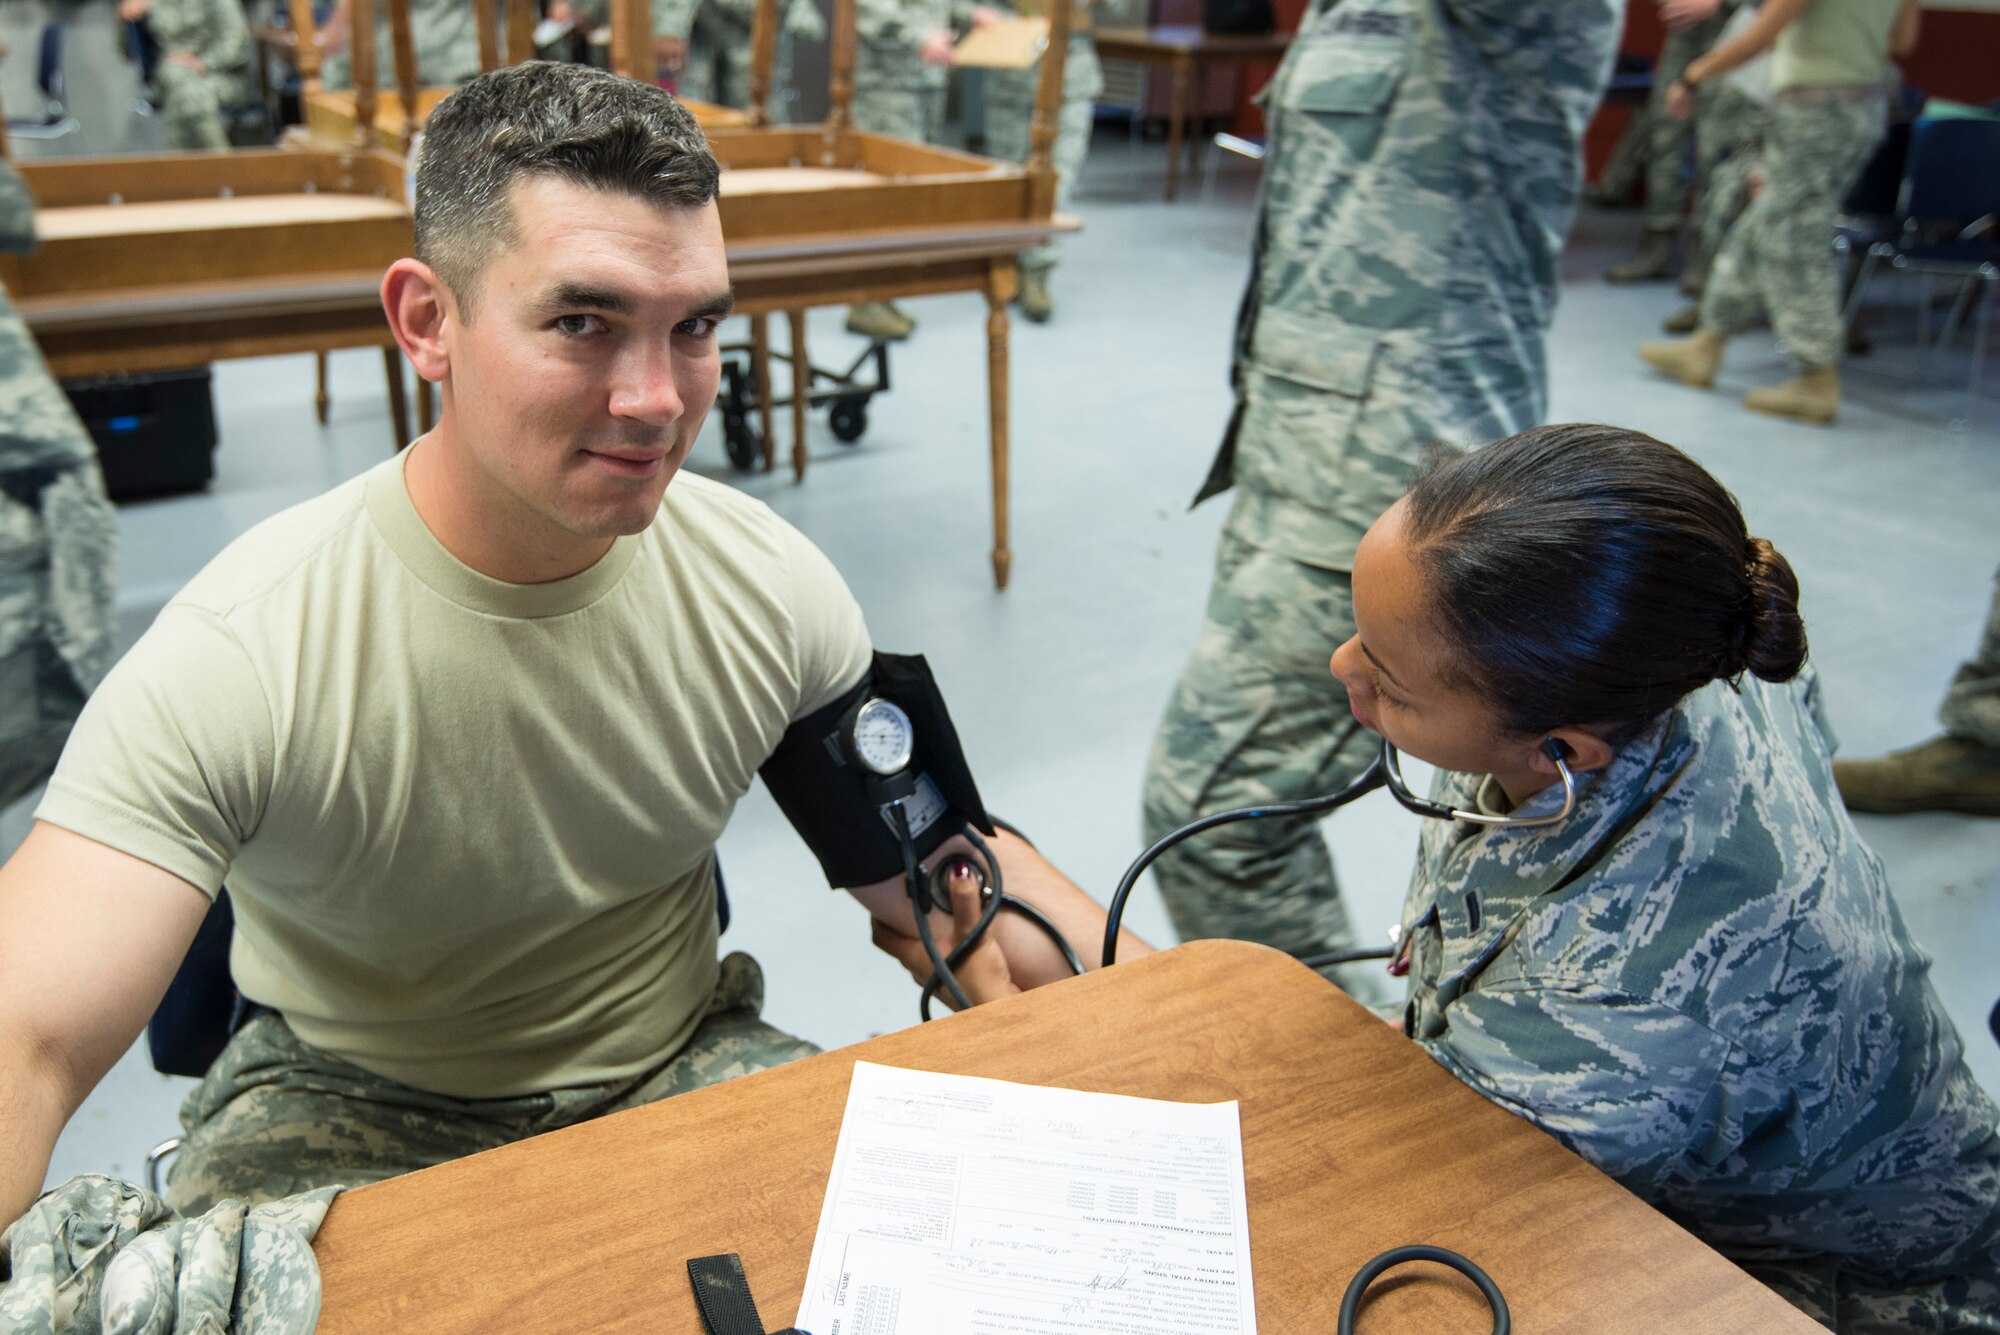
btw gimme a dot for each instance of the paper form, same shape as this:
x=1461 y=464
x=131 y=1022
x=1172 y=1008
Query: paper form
x=965 y=1206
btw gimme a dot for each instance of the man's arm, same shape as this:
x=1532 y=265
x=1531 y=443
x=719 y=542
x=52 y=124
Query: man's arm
x=1757 y=37
x=1031 y=958
x=1903 y=37
x=92 y=938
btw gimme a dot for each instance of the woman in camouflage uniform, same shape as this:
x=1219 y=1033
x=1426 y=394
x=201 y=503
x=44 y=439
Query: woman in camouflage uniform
x=1697 y=979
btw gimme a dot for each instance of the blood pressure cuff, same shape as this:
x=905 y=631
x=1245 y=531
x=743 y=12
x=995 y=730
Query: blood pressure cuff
x=826 y=796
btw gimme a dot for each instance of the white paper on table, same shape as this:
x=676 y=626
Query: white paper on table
x=981 y=1207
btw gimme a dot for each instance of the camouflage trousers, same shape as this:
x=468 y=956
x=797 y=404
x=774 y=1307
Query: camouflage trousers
x=1668 y=141
x=191 y=105
x=1257 y=717
x=1778 y=258
x=1010 y=108
x=1729 y=150
x=96 y=1256
x=274 y=1117
x=1972 y=706
x=901 y=112
x=1963 y=1305
x=717 y=70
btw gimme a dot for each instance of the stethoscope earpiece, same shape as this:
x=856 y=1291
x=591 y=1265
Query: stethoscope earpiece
x=1392 y=776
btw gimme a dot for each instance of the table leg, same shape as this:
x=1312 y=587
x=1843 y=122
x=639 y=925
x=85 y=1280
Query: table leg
x=760 y=372
x=426 y=405
x=322 y=401
x=1177 y=123
x=1001 y=283
x=801 y=392
x=399 y=396
x=1197 y=120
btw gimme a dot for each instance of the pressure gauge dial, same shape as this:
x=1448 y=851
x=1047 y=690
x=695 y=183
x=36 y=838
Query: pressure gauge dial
x=882 y=739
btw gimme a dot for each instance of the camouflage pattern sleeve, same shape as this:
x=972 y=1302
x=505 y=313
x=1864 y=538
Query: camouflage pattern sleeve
x=227 y=44
x=97 y=1254
x=214 y=31
x=17 y=212
x=891 y=23
x=674 y=18
x=1581 y=1063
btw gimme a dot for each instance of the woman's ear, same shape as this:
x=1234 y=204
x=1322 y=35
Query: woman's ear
x=1581 y=749
x=418 y=306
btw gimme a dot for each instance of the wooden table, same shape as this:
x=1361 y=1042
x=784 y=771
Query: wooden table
x=1184 y=50
x=1354 y=1141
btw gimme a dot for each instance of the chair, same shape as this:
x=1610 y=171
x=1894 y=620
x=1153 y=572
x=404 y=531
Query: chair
x=1871 y=213
x=1949 y=214
x=55 y=120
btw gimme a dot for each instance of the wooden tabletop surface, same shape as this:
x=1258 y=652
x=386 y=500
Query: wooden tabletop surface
x=1354 y=1141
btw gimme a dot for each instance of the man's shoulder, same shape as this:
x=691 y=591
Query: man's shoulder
x=716 y=516
x=279 y=549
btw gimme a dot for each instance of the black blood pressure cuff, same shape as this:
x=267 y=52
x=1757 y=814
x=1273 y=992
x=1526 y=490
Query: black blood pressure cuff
x=826 y=796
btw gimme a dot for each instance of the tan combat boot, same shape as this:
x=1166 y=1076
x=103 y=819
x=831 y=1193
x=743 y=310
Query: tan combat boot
x=1683 y=321
x=1036 y=303
x=878 y=322
x=1654 y=263
x=1944 y=774
x=1810 y=396
x=1693 y=360
x=903 y=317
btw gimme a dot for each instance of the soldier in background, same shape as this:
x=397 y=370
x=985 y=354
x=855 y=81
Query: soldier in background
x=444 y=32
x=1010 y=112
x=1422 y=172
x=1830 y=71
x=1959 y=771
x=57 y=537
x=902 y=63
x=204 y=64
x=717 y=33
x=1692 y=27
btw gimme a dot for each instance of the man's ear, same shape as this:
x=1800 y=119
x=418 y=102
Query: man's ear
x=418 y=306
x=1582 y=750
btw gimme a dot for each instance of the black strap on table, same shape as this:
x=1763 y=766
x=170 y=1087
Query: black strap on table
x=722 y=1292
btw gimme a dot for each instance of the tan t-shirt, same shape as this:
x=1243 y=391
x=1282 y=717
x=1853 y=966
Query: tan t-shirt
x=1835 y=43
x=468 y=827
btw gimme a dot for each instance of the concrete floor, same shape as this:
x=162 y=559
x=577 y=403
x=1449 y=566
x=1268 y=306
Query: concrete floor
x=1057 y=683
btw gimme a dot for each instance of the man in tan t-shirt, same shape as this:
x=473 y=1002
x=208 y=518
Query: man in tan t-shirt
x=461 y=733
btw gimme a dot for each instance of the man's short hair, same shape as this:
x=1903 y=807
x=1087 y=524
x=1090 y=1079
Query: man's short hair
x=572 y=122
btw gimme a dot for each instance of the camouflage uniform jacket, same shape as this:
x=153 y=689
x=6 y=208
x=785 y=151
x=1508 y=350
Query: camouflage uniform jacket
x=215 y=31
x=1423 y=168
x=799 y=20
x=887 y=35
x=1699 y=982
x=57 y=535
x=95 y=1255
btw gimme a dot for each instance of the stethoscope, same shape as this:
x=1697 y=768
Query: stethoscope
x=1385 y=771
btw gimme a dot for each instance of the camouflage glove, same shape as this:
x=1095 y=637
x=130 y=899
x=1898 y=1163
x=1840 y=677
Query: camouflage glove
x=97 y=1254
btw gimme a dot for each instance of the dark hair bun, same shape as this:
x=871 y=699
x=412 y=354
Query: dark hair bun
x=1774 y=639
